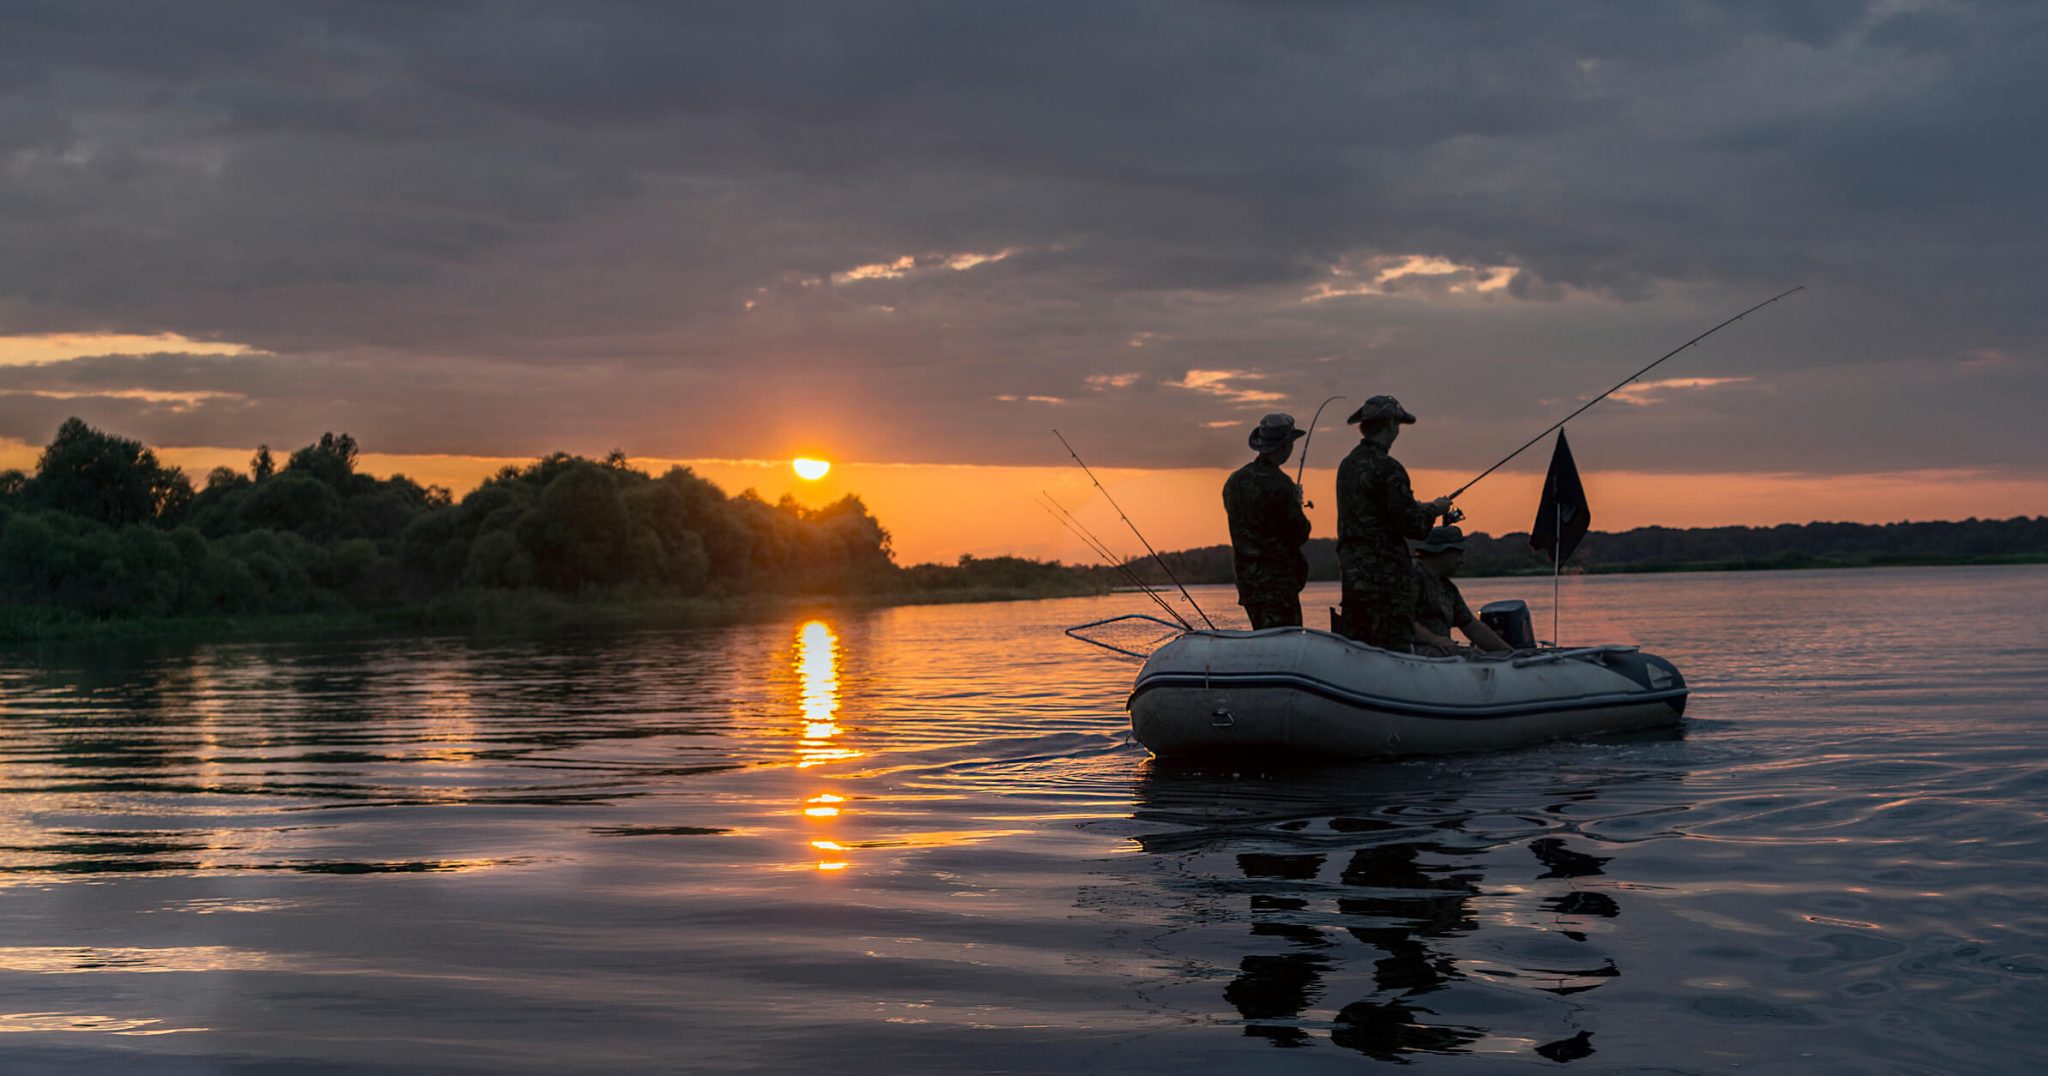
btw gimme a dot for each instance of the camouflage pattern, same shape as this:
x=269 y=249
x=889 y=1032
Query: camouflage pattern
x=1438 y=604
x=1376 y=514
x=1376 y=611
x=1273 y=613
x=1267 y=529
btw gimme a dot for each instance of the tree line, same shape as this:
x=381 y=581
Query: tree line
x=103 y=529
x=1654 y=549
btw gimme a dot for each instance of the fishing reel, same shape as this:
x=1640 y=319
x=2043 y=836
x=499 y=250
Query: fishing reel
x=1454 y=514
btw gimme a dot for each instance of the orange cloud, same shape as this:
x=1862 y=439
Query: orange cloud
x=37 y=348
x=1218 y=383
x=1644 y=393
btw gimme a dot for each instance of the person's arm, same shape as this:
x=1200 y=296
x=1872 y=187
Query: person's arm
x=1414 y=518
x=1299 y=518
x=1474 y=628
x=1485 y=638
x=1280 y=516
x=1429 y=638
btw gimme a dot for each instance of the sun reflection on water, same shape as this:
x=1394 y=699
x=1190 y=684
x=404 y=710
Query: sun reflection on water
x=817 y=672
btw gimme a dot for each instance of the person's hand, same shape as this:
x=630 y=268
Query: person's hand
x=1440 y=506
x=1300 y=494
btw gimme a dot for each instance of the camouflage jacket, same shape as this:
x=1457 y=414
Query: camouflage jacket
x=1376 y=513
x=1438 y=605
x=1267 y=529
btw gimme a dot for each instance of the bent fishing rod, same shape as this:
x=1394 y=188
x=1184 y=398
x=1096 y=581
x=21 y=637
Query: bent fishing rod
x=1623 y=384
x=1121 y=565
x=1301 y=464
x=1134 y=530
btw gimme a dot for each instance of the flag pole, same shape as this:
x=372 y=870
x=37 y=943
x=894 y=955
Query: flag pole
x=1556 y=574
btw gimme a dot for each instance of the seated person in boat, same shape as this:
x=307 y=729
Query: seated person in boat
x=1377 y=514
x=1438 y=605
x=1268 y=527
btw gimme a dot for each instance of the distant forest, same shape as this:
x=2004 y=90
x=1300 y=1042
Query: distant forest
x=1664 y=549
x=103 y=530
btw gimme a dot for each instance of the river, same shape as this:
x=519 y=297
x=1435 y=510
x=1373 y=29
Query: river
x=919 y=840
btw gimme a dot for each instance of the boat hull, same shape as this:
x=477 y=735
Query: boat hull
x=1308 y=694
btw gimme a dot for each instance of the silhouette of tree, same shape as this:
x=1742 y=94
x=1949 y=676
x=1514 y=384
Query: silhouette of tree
x=103 y=529
x=109 y=479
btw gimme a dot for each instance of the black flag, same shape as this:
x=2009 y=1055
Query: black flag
x=1563 y=515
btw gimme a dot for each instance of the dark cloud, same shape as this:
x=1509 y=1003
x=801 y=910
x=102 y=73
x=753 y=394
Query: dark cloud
x=506 y=228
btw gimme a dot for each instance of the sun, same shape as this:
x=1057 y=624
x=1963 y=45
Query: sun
x=810 y=470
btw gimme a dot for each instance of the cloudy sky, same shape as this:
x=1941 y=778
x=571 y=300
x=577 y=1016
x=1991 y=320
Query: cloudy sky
x=914 y=237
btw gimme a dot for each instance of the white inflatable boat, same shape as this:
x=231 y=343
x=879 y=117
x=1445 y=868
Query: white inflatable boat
x=1310 y=693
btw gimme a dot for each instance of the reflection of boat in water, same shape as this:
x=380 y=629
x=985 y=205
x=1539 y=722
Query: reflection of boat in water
x=1297 y=690
x=1362 y=907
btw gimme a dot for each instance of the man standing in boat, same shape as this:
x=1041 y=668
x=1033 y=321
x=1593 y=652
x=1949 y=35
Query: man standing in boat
x=1376 y=514
x=1268 y=528
x=1439 y=606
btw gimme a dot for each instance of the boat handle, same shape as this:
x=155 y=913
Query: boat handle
x=1581 y=652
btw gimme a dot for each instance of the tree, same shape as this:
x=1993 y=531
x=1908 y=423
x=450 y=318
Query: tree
x=110 y=479
x=332 y=460
x=580 y=535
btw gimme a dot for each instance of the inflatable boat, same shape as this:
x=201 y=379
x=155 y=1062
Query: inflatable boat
x=1307 y=693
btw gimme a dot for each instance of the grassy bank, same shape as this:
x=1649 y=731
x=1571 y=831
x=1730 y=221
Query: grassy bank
x=499 y=612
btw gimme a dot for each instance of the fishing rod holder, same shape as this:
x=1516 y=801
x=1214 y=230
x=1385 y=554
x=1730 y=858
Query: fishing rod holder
x=1075 y=632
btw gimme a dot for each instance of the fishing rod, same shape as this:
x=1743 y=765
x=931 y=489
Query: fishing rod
x=1134 y=530
x=1624 y=383
x=1073 y=523
x=1301 y=464
x=1110 y=559
x=1087 y=536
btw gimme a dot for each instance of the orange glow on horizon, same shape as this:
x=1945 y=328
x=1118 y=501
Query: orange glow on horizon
x=936 y=512
x=810 y=470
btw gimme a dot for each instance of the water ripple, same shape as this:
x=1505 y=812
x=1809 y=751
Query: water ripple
x=920 y=839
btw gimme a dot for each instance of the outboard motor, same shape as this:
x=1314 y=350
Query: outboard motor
x=1509 y=619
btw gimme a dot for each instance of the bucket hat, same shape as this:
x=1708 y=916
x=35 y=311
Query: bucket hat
x=1442 y=539
x=1380 y=407
x=1274 y=431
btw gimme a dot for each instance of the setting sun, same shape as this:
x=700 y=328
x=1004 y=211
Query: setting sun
x=810 y=470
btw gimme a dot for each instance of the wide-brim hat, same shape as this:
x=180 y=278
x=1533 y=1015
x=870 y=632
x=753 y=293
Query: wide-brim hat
x=1381 y=407
x=1274 y=431
x=1442 y=539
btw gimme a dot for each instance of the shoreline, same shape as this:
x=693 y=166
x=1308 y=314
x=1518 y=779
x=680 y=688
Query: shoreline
x=525 y=612
x=1703 y=567
x=489 y=613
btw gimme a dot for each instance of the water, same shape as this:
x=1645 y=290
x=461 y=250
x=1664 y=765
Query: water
x=918 y=840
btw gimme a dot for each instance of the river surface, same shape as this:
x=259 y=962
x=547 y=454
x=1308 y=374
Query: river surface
x=919 y=840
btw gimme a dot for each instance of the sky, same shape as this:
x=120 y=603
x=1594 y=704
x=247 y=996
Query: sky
x=915 y=238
